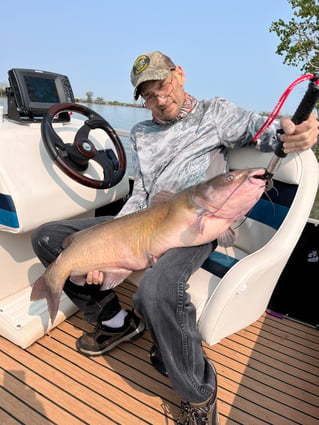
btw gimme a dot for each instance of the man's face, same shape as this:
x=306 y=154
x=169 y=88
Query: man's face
x=165 y=97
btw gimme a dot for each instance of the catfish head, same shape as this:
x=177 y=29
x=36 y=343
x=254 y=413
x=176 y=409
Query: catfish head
x=230 y=195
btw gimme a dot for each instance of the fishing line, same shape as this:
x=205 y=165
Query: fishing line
x=280 y=103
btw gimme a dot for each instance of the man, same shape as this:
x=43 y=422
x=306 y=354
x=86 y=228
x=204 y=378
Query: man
x=186 y=142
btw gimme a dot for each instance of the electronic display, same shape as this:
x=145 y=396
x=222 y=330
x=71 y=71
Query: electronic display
x=33 y=92
x=41 y=89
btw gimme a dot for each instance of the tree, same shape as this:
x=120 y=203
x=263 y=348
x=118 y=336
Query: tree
x=89 y=97
x=3 y=88
x=100 y=100
x=299 y=38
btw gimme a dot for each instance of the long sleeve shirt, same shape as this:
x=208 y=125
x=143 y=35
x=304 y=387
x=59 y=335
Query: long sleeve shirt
x=175 y=156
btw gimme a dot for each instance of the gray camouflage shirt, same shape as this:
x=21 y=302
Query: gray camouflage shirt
x=183 y=153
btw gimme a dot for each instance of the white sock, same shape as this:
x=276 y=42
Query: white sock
x=117 y=321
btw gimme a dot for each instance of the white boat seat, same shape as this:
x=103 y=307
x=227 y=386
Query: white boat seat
x=261 y=222
x=233 y=288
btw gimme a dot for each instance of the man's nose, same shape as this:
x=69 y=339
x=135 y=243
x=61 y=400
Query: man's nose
x=161 y=100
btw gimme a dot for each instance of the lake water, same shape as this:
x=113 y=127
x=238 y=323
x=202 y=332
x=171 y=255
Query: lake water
x=120 y=117
x=124 y=118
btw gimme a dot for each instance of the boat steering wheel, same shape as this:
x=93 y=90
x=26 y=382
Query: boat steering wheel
x=73 y=159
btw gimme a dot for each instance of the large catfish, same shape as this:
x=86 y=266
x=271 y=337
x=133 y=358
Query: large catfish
x=195 y=216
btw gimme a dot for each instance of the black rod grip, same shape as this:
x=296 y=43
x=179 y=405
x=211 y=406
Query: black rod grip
x=306 y=106
x=307 y=103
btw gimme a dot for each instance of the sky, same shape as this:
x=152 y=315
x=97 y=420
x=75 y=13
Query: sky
x=224 y=47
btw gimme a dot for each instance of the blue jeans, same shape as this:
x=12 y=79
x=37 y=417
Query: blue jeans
x=165 y=305
x=161 y=299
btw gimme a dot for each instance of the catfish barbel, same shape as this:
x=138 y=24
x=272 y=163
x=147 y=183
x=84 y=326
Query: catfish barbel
x=194 y=216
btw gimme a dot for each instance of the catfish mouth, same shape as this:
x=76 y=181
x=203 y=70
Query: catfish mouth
x=263 y=174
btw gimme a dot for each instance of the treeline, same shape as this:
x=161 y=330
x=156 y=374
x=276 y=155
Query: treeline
x=101 y=101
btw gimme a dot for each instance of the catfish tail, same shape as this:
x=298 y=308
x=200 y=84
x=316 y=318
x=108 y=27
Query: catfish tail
x=41 y=290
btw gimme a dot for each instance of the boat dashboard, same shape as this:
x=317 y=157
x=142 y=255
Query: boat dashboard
x=59 y=160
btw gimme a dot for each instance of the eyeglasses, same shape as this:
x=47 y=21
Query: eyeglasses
x=163 y=92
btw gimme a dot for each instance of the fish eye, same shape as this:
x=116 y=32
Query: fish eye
x=230 y=177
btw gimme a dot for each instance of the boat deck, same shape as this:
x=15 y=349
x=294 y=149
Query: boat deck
x=268 y=374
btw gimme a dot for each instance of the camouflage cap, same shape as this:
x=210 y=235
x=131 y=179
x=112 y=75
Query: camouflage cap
x=150 y=66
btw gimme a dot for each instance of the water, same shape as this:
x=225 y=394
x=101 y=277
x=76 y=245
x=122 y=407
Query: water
x=120 y=117
x=124 y=118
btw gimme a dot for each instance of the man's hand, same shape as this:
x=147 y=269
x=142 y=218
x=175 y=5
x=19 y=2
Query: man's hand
x=94 y=277
x=299 y=137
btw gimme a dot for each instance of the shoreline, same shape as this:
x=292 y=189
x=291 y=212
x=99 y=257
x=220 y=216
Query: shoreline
x=109 y=103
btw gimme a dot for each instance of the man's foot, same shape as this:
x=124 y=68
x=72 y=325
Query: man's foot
x=199 y=413
x=105 y=338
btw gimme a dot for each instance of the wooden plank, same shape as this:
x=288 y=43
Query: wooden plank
x=266 y=375
x=58 y=400
x=302 y=331
x=16 y=410
x=292 y=344
x=117 y=382
x=259 y=361
x=268 y=354
x=269 y=380
x=295 y=327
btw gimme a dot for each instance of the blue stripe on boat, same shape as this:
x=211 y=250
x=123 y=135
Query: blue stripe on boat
x=8 y=213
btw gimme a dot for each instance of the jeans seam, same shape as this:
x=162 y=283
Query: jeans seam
x=182 y=286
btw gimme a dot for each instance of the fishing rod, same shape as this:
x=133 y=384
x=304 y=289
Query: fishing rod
x=302 y=113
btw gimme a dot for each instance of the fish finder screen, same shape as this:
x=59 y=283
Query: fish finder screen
x=41 y=89
x=33 y=92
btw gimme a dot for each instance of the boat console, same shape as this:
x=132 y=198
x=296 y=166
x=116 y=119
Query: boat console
x=35 y=188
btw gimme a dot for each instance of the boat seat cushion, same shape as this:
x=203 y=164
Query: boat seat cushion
x=255 y=230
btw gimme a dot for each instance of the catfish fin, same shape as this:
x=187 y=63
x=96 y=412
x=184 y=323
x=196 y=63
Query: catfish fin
x=198 y=225
x=41 y=290
x=200 y=222
x=227 y=238
x=113 y=277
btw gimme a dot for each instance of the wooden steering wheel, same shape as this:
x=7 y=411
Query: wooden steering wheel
x=74 y=158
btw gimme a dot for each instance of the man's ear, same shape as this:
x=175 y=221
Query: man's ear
x=180 y=75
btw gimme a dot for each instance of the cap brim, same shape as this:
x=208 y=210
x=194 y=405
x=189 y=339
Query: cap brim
x=161 y=75
x=136 y=93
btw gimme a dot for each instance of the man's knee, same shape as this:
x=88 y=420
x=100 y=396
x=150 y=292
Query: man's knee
x=46 y=242
x=38 y=236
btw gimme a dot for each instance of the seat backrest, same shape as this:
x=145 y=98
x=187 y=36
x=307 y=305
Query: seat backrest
x=265 y=218
x=238 y=296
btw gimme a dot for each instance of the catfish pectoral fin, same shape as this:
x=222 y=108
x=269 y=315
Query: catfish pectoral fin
x=113 y=277
x=41 y=290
